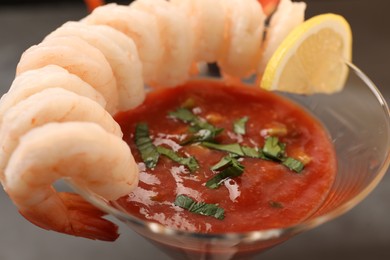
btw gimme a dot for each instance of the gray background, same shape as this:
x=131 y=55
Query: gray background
x=362 y=233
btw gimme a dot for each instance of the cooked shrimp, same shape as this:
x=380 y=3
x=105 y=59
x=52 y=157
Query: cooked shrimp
x=207 y=23
x=140 y=26
x=51 y=76
x=245 y=26
x=79 y=58
x=288 y=15
x=121 y=54
x=49 y=105
x=176 y=42
x=84 y=153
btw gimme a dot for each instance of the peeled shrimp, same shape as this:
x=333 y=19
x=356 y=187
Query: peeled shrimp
x=120 y=52
x=140 y=26
x=78 y=57
x=244 y=37
x=49 y=105
x=287 y=16
x=85 y=153
x=207 y=23
x=50 y=76
x=176 y=43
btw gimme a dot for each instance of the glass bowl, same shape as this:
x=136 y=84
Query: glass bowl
x=358 y=122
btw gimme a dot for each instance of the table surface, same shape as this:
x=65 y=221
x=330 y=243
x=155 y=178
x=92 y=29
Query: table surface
x=362 y=233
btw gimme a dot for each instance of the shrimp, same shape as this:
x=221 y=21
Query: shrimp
x=140 y=26
x=245 y=28
x=175 y=34
x=288 y=15
x=78 y=57
x=85 y=153
x=121 y=54
x=207 y=26
x=49 y=105
x=229 y=32
x=50 y=76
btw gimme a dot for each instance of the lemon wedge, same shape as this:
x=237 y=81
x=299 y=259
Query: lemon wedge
x=312 y=58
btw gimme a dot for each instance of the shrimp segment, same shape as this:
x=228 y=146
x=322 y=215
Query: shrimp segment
x=51 y=76
x=175 y=36
x=79 y=58
x=50 y=105
x=88 y=156
x=140 y=26
x=245 y=26
x=120 y=52
x=207 y=27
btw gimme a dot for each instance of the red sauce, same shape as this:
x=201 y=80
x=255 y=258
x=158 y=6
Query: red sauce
x=266 y=195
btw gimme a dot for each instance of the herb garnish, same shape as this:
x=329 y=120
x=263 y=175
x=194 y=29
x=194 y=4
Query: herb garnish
x=190 y=162
x=148 y=150
x=230 y=148
x=276 y=151
x=231 y=168
x=239 y=125
x=253 y=152
x=235 y=148
x=225 y=161
x=293 y=164
x=201 y=208
x=273 y=149
x=275 y=204
x=203 y=131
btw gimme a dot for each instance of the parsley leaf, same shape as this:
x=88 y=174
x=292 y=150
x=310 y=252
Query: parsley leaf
x=201 y=208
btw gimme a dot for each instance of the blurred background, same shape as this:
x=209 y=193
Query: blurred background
x=363 y=233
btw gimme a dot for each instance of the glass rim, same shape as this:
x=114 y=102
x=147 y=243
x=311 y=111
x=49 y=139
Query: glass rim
x=265 y=234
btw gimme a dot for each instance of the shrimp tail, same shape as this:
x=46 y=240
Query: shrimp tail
x=97 y=160
x=84 y=220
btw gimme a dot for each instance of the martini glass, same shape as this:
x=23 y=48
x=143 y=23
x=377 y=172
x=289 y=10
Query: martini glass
x=358 y=122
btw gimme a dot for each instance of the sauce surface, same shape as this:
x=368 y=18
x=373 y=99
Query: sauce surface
x=266 y=195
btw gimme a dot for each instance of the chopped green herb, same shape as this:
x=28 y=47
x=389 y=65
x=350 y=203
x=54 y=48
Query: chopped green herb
x=275 y=204
x=234 y=169
x=231 y=148
x=239 y=125
x=273 y=149
x=252 y=152
x=184 y=115
x=276 y=151
x=225 y=161
x=202 y=208
x=203 y=130
x=148 y=150
x=293 y=164
x=190 y=162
